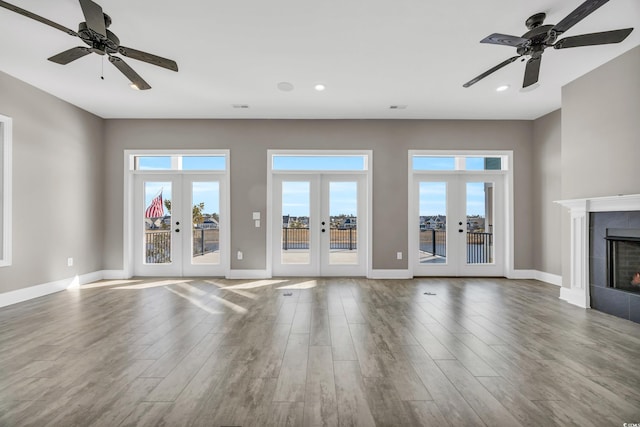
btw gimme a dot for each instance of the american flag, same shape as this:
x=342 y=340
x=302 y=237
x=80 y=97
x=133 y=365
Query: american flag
x=155 y=209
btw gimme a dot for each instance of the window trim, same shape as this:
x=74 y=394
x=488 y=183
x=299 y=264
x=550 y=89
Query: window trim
x=367 y=172
x=6 y=129
x=508 y=175
x=129 y=173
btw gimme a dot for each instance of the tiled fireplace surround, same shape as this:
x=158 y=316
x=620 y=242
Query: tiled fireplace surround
x=590 y=219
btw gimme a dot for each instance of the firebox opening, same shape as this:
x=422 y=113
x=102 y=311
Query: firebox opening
x=623 y=259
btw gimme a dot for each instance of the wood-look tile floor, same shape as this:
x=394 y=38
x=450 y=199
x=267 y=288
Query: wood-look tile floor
x=315 y=352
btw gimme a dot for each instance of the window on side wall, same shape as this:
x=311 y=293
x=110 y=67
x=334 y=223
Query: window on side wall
x=5 y=191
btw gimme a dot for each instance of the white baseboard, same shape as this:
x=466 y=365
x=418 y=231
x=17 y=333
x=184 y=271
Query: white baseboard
x=574 y=296
x=248 y=274
x=542 y=276
x=389 y=274
x=24 y=294
x=552 y=279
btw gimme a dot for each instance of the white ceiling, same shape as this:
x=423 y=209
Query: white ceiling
x=370 y=54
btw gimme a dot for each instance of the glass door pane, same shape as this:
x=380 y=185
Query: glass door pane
x=205 y=222
x=296 y=218
x=479 y=213
x=157 y=238
x=343 y=223
x=432 y=202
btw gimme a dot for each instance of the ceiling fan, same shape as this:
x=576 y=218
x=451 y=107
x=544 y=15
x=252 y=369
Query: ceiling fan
x=100 y=40
x=539 y=37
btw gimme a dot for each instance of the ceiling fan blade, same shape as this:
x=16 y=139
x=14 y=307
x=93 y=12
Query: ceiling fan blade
x=505 y=40
x=592 y=39
x=72 y=54
x=532 y=71
x=490 y=71
x=581 y=12
x=94 y=17
x=124 y=68
x=149 y=58
x=38 y=18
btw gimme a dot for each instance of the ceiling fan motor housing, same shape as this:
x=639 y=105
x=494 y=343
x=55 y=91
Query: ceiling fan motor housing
x=538 y=40
x=97 y=42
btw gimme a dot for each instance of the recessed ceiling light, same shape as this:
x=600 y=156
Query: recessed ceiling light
x=397 y=107
x=319 y=87
x=242 y=106
x=285 y=86
x=502 y=88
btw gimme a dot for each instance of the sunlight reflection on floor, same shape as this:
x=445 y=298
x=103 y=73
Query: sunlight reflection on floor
x=156 y=284
x=194 y=301
x=105 y=283
x=302 y=285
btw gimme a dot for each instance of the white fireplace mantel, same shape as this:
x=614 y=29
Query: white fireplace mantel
x=579 y=209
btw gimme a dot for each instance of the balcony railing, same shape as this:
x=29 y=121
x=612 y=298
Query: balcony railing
x=157 y=244
x=298 y=238
x=479 y=245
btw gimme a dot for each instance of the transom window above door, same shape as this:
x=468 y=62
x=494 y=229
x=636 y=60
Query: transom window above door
x=179 y=162
x=458 y=163
x=313 y=162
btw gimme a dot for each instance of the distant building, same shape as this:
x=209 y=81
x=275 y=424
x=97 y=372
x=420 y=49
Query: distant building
x=209 y=224
x=349 y=222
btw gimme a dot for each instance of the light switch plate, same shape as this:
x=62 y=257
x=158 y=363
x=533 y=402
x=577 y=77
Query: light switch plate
x=256 y=215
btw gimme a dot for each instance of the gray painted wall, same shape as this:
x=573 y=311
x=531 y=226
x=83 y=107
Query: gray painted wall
x=601 y=135
x=601 y=130
x=57 y=205
x=546 y=189
x=249 y=141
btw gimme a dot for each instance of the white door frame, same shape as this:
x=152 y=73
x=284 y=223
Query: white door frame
x=367 y=173
x=507 y=212
x=128 y=229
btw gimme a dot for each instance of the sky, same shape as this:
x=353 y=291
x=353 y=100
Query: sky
x=342 y=198
x=433 y=198
x=207 y=192
x=295 y=195
x=203 y=192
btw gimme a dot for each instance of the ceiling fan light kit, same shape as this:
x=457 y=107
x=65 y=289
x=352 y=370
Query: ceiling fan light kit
x=94 y=33
x=539 y=37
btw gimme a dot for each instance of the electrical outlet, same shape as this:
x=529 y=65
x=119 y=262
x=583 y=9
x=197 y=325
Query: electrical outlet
x=257 y=223
x=69 y=262
x=398 y=255
x=240 y=255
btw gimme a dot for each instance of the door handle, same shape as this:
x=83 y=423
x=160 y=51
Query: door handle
x=323 y=230
x=460 y=230
x=322 y=222
x=177 y=230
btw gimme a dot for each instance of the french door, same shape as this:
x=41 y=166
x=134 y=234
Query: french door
x=458 y=227
x=180 y=225
x=319 y=223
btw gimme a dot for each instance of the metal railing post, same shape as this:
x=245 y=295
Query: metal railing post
x=286 y=236
x=433 y=241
